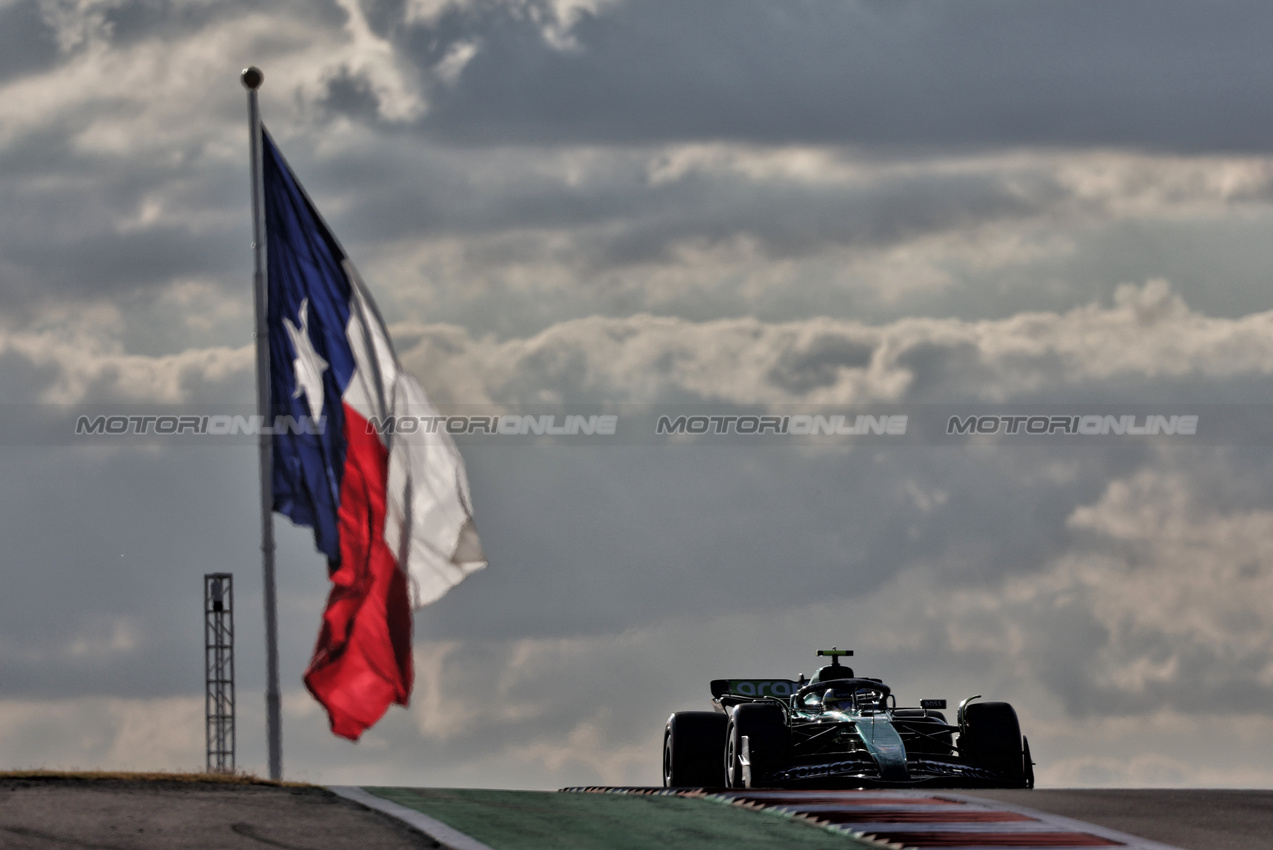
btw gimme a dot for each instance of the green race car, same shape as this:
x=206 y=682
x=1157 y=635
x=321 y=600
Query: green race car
x=840 y=730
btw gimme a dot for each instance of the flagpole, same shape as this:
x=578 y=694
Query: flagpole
x=252 y=79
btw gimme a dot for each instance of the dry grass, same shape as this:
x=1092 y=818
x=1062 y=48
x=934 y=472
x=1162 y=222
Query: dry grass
x=158 y=776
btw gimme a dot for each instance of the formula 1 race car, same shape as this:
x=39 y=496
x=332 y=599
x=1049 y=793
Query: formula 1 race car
x=840 y=730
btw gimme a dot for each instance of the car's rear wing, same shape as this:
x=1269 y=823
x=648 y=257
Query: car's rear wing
x=754 y=688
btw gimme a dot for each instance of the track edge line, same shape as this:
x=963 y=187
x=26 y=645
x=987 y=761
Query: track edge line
x=449 y=837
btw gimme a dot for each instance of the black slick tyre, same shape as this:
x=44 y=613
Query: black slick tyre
x=694 y=750
x=991 y=737
x=764 y=725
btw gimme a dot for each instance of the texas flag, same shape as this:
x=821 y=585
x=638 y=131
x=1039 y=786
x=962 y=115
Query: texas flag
x=390 y=511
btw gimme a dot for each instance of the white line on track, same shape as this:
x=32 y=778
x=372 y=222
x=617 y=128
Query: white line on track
x=435 y=829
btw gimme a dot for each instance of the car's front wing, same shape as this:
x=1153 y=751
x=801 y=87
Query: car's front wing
x=855 y=771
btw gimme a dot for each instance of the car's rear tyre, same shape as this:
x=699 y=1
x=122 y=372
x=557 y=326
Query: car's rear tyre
x=694 y=750
x=764 y=725
x=991 y=737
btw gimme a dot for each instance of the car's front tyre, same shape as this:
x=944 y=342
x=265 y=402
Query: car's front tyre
x=764 y=725
x=990 y=735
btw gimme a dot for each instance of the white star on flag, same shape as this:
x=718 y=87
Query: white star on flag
x=308 y=365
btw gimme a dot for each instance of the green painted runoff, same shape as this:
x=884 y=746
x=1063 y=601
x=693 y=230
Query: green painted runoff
x=551 y=820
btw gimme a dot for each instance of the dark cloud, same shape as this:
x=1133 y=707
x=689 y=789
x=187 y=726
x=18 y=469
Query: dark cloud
x=791 y=220
x=27 y=46
x=22 y=382
x=127 y=551
x=350 y=94
x=106 y=550
x=1172 y=76
x=77 y=233
x=619 y=217
x=132 y=22
x=92 y=266
x=384 y=17
x=818 y=364
x=639 y=535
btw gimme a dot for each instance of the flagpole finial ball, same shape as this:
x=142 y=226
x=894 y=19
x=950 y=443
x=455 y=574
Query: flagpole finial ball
x=252 y=77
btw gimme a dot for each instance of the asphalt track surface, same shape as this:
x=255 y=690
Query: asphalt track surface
x=140 y=814
x=51 y=813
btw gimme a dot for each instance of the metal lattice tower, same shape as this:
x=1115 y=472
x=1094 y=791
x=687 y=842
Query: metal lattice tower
x=218 y=654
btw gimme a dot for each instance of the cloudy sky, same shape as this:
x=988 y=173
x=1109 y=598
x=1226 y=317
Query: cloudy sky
x=662 y=207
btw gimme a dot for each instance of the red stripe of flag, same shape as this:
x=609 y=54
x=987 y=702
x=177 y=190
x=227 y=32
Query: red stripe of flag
x=362 y=662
